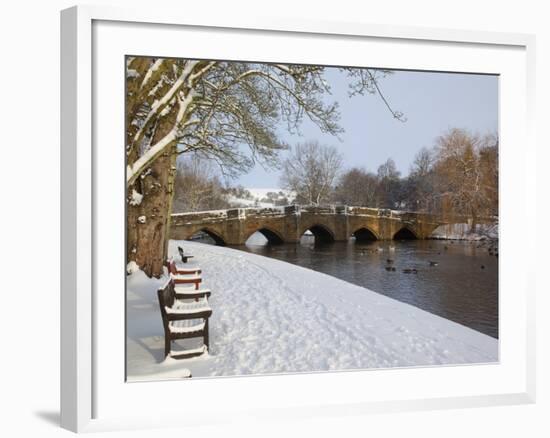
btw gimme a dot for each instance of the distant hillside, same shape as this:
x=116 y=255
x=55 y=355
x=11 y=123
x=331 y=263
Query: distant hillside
x=263 y=198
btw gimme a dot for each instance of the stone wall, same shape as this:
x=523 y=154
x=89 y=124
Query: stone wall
x=288 y=224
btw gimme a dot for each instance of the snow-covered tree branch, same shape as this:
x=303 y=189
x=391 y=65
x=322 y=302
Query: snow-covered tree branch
x=229 y=112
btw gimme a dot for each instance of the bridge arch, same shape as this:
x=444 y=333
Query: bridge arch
x=217 y=238
x=365 y=234
x=272 y=236
x=405 y=233
x=321 y=232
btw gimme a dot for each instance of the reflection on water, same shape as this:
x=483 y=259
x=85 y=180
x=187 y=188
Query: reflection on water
x=462 y=286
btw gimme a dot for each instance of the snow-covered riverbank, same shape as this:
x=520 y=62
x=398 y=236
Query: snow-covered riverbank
x=464 y=232
x=273 y=317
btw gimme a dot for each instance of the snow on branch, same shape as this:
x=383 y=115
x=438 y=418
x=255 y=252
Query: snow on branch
x=187 y=78
x=154 y=67
x=154 y=151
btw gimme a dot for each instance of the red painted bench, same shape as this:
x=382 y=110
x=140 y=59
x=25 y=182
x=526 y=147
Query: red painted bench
x=189 y=276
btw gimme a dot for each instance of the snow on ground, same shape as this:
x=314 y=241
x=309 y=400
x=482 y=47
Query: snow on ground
x=258 y=195
x=257 y=238
x=270 y=316
x=250 y=203
x=463 y=232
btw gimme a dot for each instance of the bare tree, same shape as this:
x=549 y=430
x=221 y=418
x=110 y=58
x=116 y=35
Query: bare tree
x=389 y=185
x=467 y=173
x=488 y=162
x=311 y=171
x=357 y=187
x=418 y=186
x=197 y=186
x=423 y=162
x=228 y=111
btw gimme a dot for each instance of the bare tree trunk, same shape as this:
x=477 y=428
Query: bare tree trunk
x=148 y=222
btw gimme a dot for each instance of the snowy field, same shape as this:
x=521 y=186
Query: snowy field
x=274 y=317
x=257 y=196
x=463 y=232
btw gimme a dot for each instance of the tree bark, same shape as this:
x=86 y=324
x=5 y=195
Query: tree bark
x=148 y=222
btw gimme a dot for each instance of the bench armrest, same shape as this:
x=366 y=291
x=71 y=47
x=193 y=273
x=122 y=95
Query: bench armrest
x=205 y=314
x=189 y=295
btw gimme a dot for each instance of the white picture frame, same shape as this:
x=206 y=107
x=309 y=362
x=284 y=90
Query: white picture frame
x=93 y=395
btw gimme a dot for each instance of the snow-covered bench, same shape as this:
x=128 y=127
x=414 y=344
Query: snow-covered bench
x=183 y=293
x=178 y=268
x=184 y=317
x=191 y=276
x=184 y=258
x=187 y=279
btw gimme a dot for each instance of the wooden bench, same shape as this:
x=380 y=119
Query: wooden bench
x=176 y=268
x=184 y=258
x=183 y=319
x=189 y=278
x=186 y=293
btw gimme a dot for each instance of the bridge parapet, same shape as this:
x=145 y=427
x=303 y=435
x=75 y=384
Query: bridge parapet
x=236 y=213
x=288 y=223
x=264 y=212
x=242 y=213
x=362 y=211
x=292 y=210
x=199 y=216
x=318 y=209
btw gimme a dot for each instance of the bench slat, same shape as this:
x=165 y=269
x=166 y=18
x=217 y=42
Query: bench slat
x=199 y=293
x=183 y=316
x=176 y=329
x=182 y=270
x=180 y=307
x=185 y=291
x=186 y=354
x=191 y=277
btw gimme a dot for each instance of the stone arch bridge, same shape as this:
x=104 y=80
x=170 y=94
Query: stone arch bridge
x=288 y=224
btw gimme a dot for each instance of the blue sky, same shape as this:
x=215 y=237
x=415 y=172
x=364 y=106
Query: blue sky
x=431 y=102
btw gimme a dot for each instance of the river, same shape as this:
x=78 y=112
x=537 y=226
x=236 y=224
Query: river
x=461 y=283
